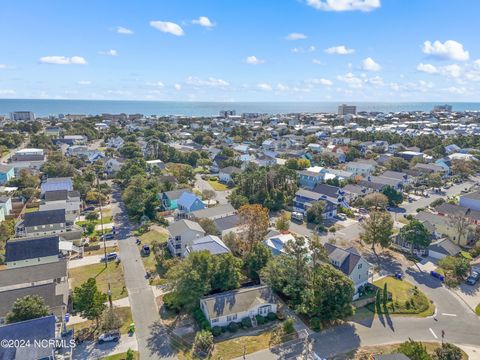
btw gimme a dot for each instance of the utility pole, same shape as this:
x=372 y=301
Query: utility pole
x=104 y=242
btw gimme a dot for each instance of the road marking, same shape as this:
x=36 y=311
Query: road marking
x=434 y=335
x=445 y=314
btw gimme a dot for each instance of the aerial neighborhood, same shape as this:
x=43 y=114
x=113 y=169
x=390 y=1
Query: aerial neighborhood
x=249 y=235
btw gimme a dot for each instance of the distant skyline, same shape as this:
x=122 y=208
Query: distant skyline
x=216 y=50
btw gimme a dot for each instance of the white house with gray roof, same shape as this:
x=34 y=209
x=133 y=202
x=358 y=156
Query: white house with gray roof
x=182 y=234
x=210 y=243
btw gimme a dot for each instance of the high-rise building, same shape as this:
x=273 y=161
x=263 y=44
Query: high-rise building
x=22 y=116
x=226 y=113
x=347 y=109
x=442 y=108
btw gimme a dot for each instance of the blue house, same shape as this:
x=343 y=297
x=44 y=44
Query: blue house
x=6 y=173
x=305 y=198
x=188 y=203
x=52 y=184
x=168 y=199
x=310 y=179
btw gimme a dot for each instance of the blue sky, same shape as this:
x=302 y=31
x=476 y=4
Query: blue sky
x=239 y=50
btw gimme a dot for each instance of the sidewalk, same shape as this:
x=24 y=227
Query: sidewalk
x=87 y=260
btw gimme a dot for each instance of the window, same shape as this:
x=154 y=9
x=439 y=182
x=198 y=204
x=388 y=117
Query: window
x=359 y=266
x=214 y=320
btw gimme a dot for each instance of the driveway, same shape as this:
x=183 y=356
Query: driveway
x=220 y=196
x=92 y=350
x=469 y=294
x=87 y=260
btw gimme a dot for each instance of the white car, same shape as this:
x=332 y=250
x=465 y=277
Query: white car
x=111 y=336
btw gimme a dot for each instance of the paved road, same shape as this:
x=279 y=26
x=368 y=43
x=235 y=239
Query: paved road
x=220 y=196
x=153 y=342
x=92 y=350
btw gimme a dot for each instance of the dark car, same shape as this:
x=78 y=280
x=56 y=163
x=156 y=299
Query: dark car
x=89 y=208
x=473 y=278
x=110 y=336
x=146 y=250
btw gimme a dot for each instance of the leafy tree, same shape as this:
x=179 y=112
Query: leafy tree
x=131 y=150
x=130 y=354
x=377 y=201
x=283 y=222
x=89 y=301
x=92 y=216
x=208 y=225
x=458 y=266
x=57 y=165
x=183 y=172
x=414 y=350
x=434 y=180
x=461 y=224
x=315 y=212
x=26 y=308
x=255 y=221
x=416 y=234
x=377 y=230
x=396 y=164
x=111 y=320
x=208 y=194
x=226 y=272
x=394 y=197
x=256 y=260
x=448 y=352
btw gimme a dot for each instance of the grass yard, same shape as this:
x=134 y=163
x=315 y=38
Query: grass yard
x=218 y=186
x=122 y=356
x=124 y=313
x=366 y=351
x=149 y=261
x=477 y=310
x=101 y=251
x=106 y=220
x=113 y=273
x=406 y=299
x=233 y=348
x=32 y=209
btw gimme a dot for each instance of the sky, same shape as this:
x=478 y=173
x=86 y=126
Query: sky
x=241 y=50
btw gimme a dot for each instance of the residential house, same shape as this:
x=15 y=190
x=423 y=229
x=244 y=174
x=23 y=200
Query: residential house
x=115 y=142
x=210 y=243
x=276 y=243
x=233 y=306
x=41 y=223
x=213 y=213
x=182 y=234
x=378 y=183
x=29 y=158
x=187 y=203
x=351 y=263
x=309 y=179
x=353 y=192
x=453 y=210
x=431 y=169
x=331 y=193
x=471 y=200
x=112 y=166
x=59 y=183
x=360 y=168
x=226 y=174
x=442 y=248
x=5 y=206
x=410 y=155
x=159 y=164
x=228 y=224
x=7 y=172
x=305 y=198
x=168 y=199
x=41 y=335
x=218 y=163
x=48 y=280
x=21 y=252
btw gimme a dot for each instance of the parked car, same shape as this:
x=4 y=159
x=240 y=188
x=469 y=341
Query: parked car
x=108 y=236
x=362 y=211
x=297 y=216
x=110 y=336
x=342 y=216
x=146 y=250
x=110 y=257
x=88 y=209
x=473 y=278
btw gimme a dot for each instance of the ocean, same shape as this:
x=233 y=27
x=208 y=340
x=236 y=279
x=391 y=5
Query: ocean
x=94 y=107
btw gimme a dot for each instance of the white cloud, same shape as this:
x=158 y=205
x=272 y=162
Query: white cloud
x=427 y=68
x=376 y=81
x=203 y=21
x=63 y=60
x=344 y=5
x=253 y=60
x=369 y=64
x=7 y=92
x=265 y=87
x=456 y=90
x=177 y=87
x=339 y=50
x=312 y=48
x=295 y=50
x=3 y=66
x=210 y=82
x=351 y=80
x=157 y=84
x=316 y=62
x=124 y=31
x=450 y=49
x=84 y=82
x=452 y=70
x=168 y=27
x=110 y=52
x=281 y=87
x=296 y=36
x=321 y=81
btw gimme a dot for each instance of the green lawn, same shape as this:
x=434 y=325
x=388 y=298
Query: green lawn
x=218 y=186
x=124 y=313
x=32 y=209
x=477 y=310
x=402 y=292
x=106 y=220
x=122 y=356
x=101 y=251
x=149 y=261
x=113 y=274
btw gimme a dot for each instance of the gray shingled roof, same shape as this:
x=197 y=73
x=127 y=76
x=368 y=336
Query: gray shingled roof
x=179 y=227
x=213 y=212
x=345 y=259
x=227 y=222
x=445 y=246
x=47 y=217
x=211 y=243
x=329 y=190
x=236 y=301
x=31 y=248
x=31 y=274
x=56 y=195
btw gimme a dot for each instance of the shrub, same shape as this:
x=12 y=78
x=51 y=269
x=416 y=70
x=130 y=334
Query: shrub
x=315 y=323
x=260 y=319
x=332 y=229
x=216 y=330
x=271 y=316
x=203 y=341
x=246 y=323
x=288 y=326
x=233 y=327
x=170 y=302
